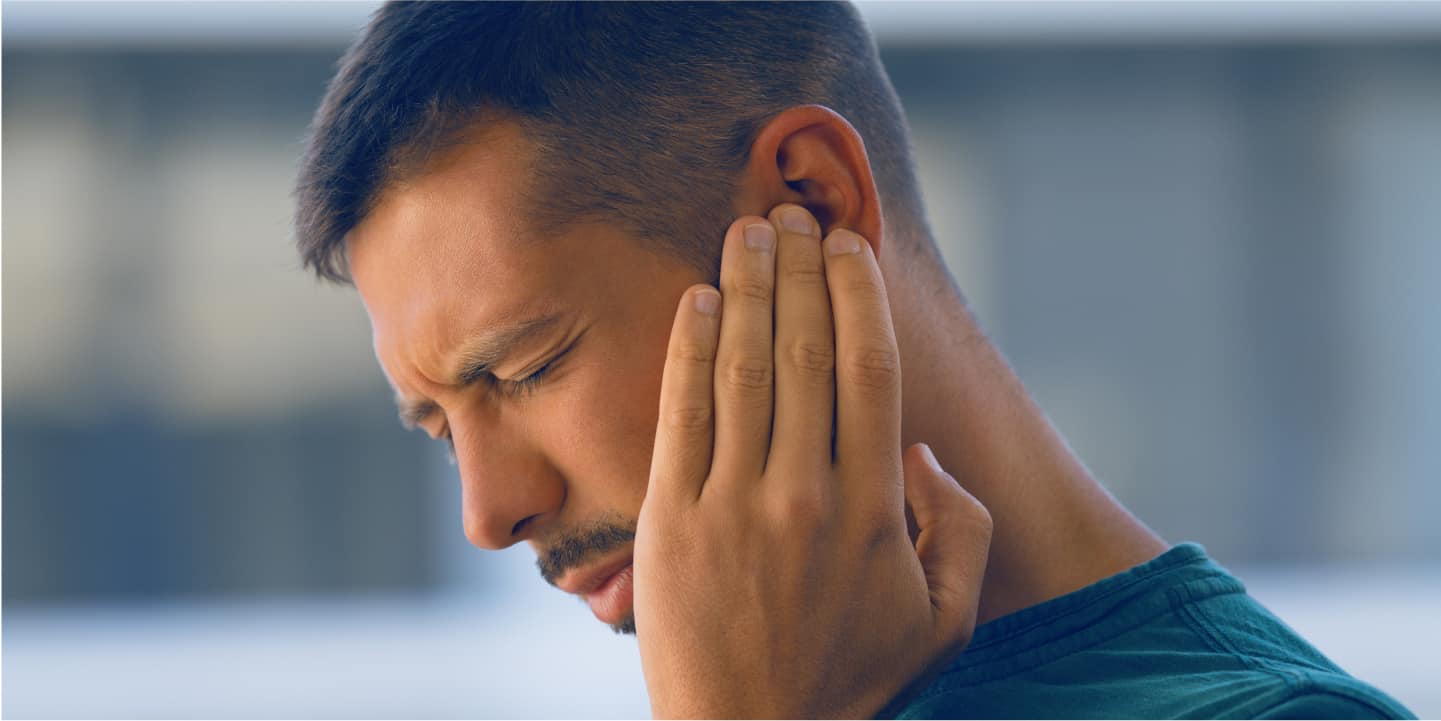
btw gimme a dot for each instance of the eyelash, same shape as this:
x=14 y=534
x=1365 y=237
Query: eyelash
x=510 y=389
x=526 y=385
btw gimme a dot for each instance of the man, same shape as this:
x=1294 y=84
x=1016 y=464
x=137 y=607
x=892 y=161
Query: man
x=538 y=203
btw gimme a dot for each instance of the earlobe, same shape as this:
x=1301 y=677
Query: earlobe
x=810 y=155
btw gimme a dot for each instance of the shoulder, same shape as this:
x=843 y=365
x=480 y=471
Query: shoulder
x=1336 y=700
x=1231 y=694
x=1177 y=637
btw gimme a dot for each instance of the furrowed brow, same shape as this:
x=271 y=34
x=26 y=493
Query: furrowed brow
x=478 y=357
x=482 y=354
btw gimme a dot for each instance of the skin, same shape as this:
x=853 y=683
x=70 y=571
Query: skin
x=444 y=257
x=752 y=515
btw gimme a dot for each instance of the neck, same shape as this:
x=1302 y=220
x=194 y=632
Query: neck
x=1056 y=529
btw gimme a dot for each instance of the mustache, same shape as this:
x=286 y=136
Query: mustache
x=576 y=548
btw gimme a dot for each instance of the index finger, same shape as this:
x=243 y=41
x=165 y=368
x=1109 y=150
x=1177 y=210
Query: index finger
x=685 y=428
x=868 y=366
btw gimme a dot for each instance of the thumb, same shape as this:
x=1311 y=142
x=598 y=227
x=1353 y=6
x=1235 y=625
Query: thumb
x=952 y=541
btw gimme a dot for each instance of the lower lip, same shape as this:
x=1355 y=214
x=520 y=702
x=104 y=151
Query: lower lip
x=612 y=601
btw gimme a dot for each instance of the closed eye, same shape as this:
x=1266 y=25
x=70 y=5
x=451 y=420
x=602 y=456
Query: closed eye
x=528 y=385
x=513 y=389
x=507 y=388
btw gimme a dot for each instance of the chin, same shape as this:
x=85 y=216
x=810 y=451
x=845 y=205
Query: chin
x=626 y=625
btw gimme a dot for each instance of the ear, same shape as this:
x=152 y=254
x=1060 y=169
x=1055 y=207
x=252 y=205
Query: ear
x=811 y=156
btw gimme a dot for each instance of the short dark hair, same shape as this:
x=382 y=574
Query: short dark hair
x=640 y=113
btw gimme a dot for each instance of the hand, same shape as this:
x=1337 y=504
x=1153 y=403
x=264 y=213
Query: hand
x=774 y=577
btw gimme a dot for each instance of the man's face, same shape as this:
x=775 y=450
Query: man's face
x=442 y=263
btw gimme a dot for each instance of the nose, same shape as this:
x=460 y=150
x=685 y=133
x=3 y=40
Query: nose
x=508 y=488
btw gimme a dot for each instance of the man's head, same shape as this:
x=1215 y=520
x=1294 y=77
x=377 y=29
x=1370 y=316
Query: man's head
x=517 y=188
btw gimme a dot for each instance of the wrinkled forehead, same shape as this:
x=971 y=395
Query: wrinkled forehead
x=447 y=249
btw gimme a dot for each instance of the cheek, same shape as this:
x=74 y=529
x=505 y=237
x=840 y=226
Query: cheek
x=602 y=427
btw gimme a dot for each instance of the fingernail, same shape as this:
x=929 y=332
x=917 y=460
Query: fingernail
x=796 y=220
x=760 y=236
x=843 y=242
x=707 y=301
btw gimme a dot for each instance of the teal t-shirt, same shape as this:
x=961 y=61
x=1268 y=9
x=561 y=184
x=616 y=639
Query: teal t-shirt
x=1176 y=637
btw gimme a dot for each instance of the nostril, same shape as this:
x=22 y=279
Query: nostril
x=515 y=530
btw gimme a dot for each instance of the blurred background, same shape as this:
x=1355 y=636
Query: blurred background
x=1207 y=235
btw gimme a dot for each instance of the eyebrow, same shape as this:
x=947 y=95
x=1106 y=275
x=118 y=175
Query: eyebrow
x=478 y=357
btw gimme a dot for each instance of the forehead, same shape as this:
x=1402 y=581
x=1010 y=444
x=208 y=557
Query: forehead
x=466 y=196
x=449 y=247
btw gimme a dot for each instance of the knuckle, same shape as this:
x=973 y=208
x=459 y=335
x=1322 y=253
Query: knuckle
x=748 y=374
x=874 y=367
x=813 y=358
x=807 y=272
x=861 y=285
x=981 y=523
x=688 y=418
x=692 y=353
x=801 y=509
x=755 y=289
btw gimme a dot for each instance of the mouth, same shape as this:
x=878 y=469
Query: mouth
x=608 y=587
